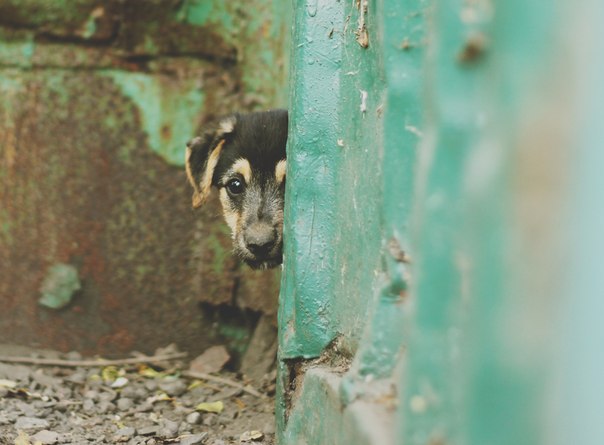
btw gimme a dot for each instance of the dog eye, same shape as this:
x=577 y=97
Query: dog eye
x=235 y=187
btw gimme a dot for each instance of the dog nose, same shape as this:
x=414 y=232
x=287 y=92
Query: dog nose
x=259 y=238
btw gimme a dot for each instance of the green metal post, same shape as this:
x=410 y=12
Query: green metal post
x=473 y=130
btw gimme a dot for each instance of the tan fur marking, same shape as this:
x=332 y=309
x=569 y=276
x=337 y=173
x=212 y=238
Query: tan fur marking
x=230 y=216
x=188 y=169
x=280 y=171
x=243 y=167
x=227 y=125
x=202 y=192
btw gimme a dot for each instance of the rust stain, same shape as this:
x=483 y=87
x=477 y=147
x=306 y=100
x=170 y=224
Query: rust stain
x=166 y=132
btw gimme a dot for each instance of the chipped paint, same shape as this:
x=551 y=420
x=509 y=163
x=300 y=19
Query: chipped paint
x=169 y=112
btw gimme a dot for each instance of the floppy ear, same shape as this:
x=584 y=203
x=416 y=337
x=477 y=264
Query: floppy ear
x=202 y=156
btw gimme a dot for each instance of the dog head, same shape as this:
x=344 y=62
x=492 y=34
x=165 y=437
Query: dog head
x=244 y=158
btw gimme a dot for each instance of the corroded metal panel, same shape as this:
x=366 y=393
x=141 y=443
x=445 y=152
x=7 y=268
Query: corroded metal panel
x=99 y=99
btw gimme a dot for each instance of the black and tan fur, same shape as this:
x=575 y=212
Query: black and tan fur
x=244 y=158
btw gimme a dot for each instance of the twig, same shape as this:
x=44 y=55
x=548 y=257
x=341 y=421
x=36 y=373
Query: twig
x=131 y=361
x=87 y=363
x=223 y=380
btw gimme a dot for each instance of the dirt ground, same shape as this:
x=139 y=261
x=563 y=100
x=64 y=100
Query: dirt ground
x=147 y=402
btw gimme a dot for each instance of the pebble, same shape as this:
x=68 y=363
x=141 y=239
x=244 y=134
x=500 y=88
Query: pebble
x=91 y=394
x=151 y=385
x=108 y=395
x=77 y=407
x=194 y=418
x=105 y=407
x=45 y=380
x=124 y=404
x=193 y=439
x=73 y=355
x=173 y=388
x=46 y=437
x=78 y=377
x=14 y=372
x=124 y=434
x=31 y=423
x=148 y=430
x=210 y=419
x=88 y=406
x=169 y=429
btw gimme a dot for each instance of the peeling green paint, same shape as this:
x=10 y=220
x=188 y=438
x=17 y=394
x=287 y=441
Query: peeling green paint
x=59 y=286
x=168 y=113
x=202 y=12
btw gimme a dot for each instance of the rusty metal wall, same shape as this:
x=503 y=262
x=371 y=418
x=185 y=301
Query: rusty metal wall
x=98 y=99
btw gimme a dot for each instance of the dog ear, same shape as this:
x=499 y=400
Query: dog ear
x=202 y=156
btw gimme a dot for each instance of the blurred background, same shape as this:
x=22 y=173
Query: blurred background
x=100 y=250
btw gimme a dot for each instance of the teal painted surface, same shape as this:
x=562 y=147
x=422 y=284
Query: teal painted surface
x=463 y=291
x=313 y=154
x=579 y=362
x=169 y=112
x=345 y=279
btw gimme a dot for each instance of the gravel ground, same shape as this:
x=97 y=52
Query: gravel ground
x=138 y=404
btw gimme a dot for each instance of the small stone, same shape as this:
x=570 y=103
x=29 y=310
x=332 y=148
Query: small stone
x=45 y=380
x=194 y=418
x=108 y=396
x=120 y=382
x=124 y=434
x=193 y=439
x=46 y=437
x=173 y=388
x=17 y=373
x=88 y=406
x=31 y=423
x=78 y=377
x=91 y=394
x=124 y=404
x=169 y=429
x=148 y=430
x=104 y=407
x=27 y=409
x=128 y=392
x=269 y=427
x=151 y=385
x=73 y=356
x=210 y=419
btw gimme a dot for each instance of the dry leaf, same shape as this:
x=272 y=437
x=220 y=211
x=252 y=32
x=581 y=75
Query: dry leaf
x=161 y=397
x=248 y=436
x=22 y=439
x=110 y=373
x=146 y=371
x=212 y=360
x=211 y=407
x=7 y=384
x=194 y=384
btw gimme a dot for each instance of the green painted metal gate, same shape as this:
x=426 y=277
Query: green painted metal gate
x=442 y=280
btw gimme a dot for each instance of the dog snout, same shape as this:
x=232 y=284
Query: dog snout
x=260 y=238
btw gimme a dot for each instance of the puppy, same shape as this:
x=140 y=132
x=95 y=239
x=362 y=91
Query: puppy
x=244 y=158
